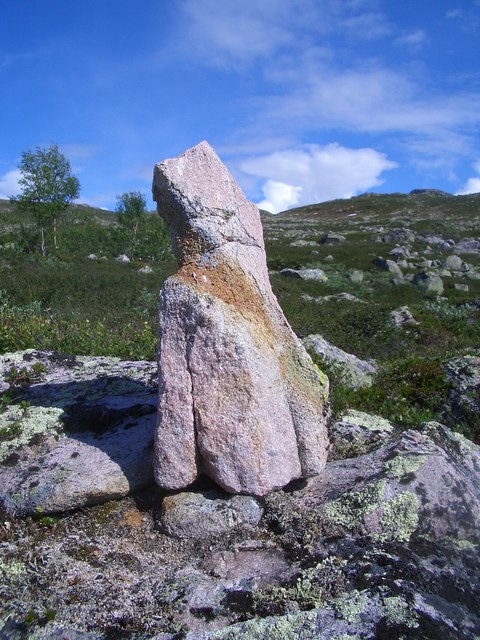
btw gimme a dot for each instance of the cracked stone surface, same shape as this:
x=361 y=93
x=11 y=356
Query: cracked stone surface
x=239 y=397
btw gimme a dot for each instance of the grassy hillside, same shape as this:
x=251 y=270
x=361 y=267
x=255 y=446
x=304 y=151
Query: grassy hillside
x=74 y=304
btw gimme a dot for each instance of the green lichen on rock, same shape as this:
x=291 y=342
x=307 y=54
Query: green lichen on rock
x=399 y=518
x=290 y=627
x=35 y=421
x=464 y=442
x=397 y=611
x=350 y=509
x=367 y=421
x=324 y=381
x=350 y=605
x=303 y=594
x=403 y=465
x=12 y=570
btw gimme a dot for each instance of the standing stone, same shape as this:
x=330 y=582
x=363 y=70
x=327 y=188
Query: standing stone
x=239 y=398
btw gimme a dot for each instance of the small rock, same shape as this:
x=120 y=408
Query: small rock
x=352 y=371
x=453 y=263
x=146 y=269
x=426 y=264
x=356 y=276
x=305 y=274
x=92 y=256
x=304 y=243
x=332 y=238
x=468 y=245
x=357 y=433
x=123 y=258
x=471 y=274
x=400 y=251
x=461 y=287
x=211 y=513
x=463 y=374
x=431 y=282
x=388 y=265
x=328 y=258
x=402 y=317
x=436 y=240
x=344 y=296
x=399 y=236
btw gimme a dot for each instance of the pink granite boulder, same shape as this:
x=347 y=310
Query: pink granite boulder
x=240 y=399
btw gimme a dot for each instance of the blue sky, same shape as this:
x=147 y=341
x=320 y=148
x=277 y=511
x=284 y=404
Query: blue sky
x=304 y=100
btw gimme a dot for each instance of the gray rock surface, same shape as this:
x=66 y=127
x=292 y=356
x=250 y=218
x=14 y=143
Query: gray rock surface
x=332 y=238
x=240 y=399
x=430 y=282
x=388 y=265
x=399 y=236
x=356 y=276
x=202 y=515
x=84 y=433
x=468 y=245
x=380 y=545
x=453 y=263
x=357 y=433
x=400 y=252
x=317 y=275
x=402 y=317
x=352 y=371
x=342 y=297
x=401 y=491
x=463 y=402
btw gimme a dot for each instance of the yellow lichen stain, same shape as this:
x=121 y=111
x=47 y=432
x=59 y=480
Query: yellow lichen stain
x=132 y=518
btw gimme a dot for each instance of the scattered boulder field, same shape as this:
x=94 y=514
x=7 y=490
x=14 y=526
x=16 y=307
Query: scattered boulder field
x=221 y=496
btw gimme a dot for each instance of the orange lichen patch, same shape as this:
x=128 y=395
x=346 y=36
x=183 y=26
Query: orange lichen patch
x=231 y=285
x=132 y=518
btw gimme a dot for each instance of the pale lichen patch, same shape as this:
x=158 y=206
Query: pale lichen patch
x=350 y=605
x=34 y=421
x=399 y=518
x=351 y=509
x=403 y=465
x=397 y=611
x=367 y=421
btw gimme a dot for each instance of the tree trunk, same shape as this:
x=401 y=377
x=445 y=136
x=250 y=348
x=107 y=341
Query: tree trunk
x=42 y=241
x=55 y=232
x=134 y=247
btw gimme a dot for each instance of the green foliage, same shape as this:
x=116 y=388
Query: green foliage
x=131 y=208
x=22 y=377
x=81 y=307
x=48 y=187
x=10 y=431
x=407 y=392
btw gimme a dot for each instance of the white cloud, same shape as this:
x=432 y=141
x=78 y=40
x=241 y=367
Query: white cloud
x=369 y=99
x=236 y=32
x=9 y=184
x=473 y=184
x=279 y=196
x=413 y=40
x=316 y=173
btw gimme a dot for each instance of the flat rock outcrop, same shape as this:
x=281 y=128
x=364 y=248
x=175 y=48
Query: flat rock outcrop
x=240 y=399
x=77 y=430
